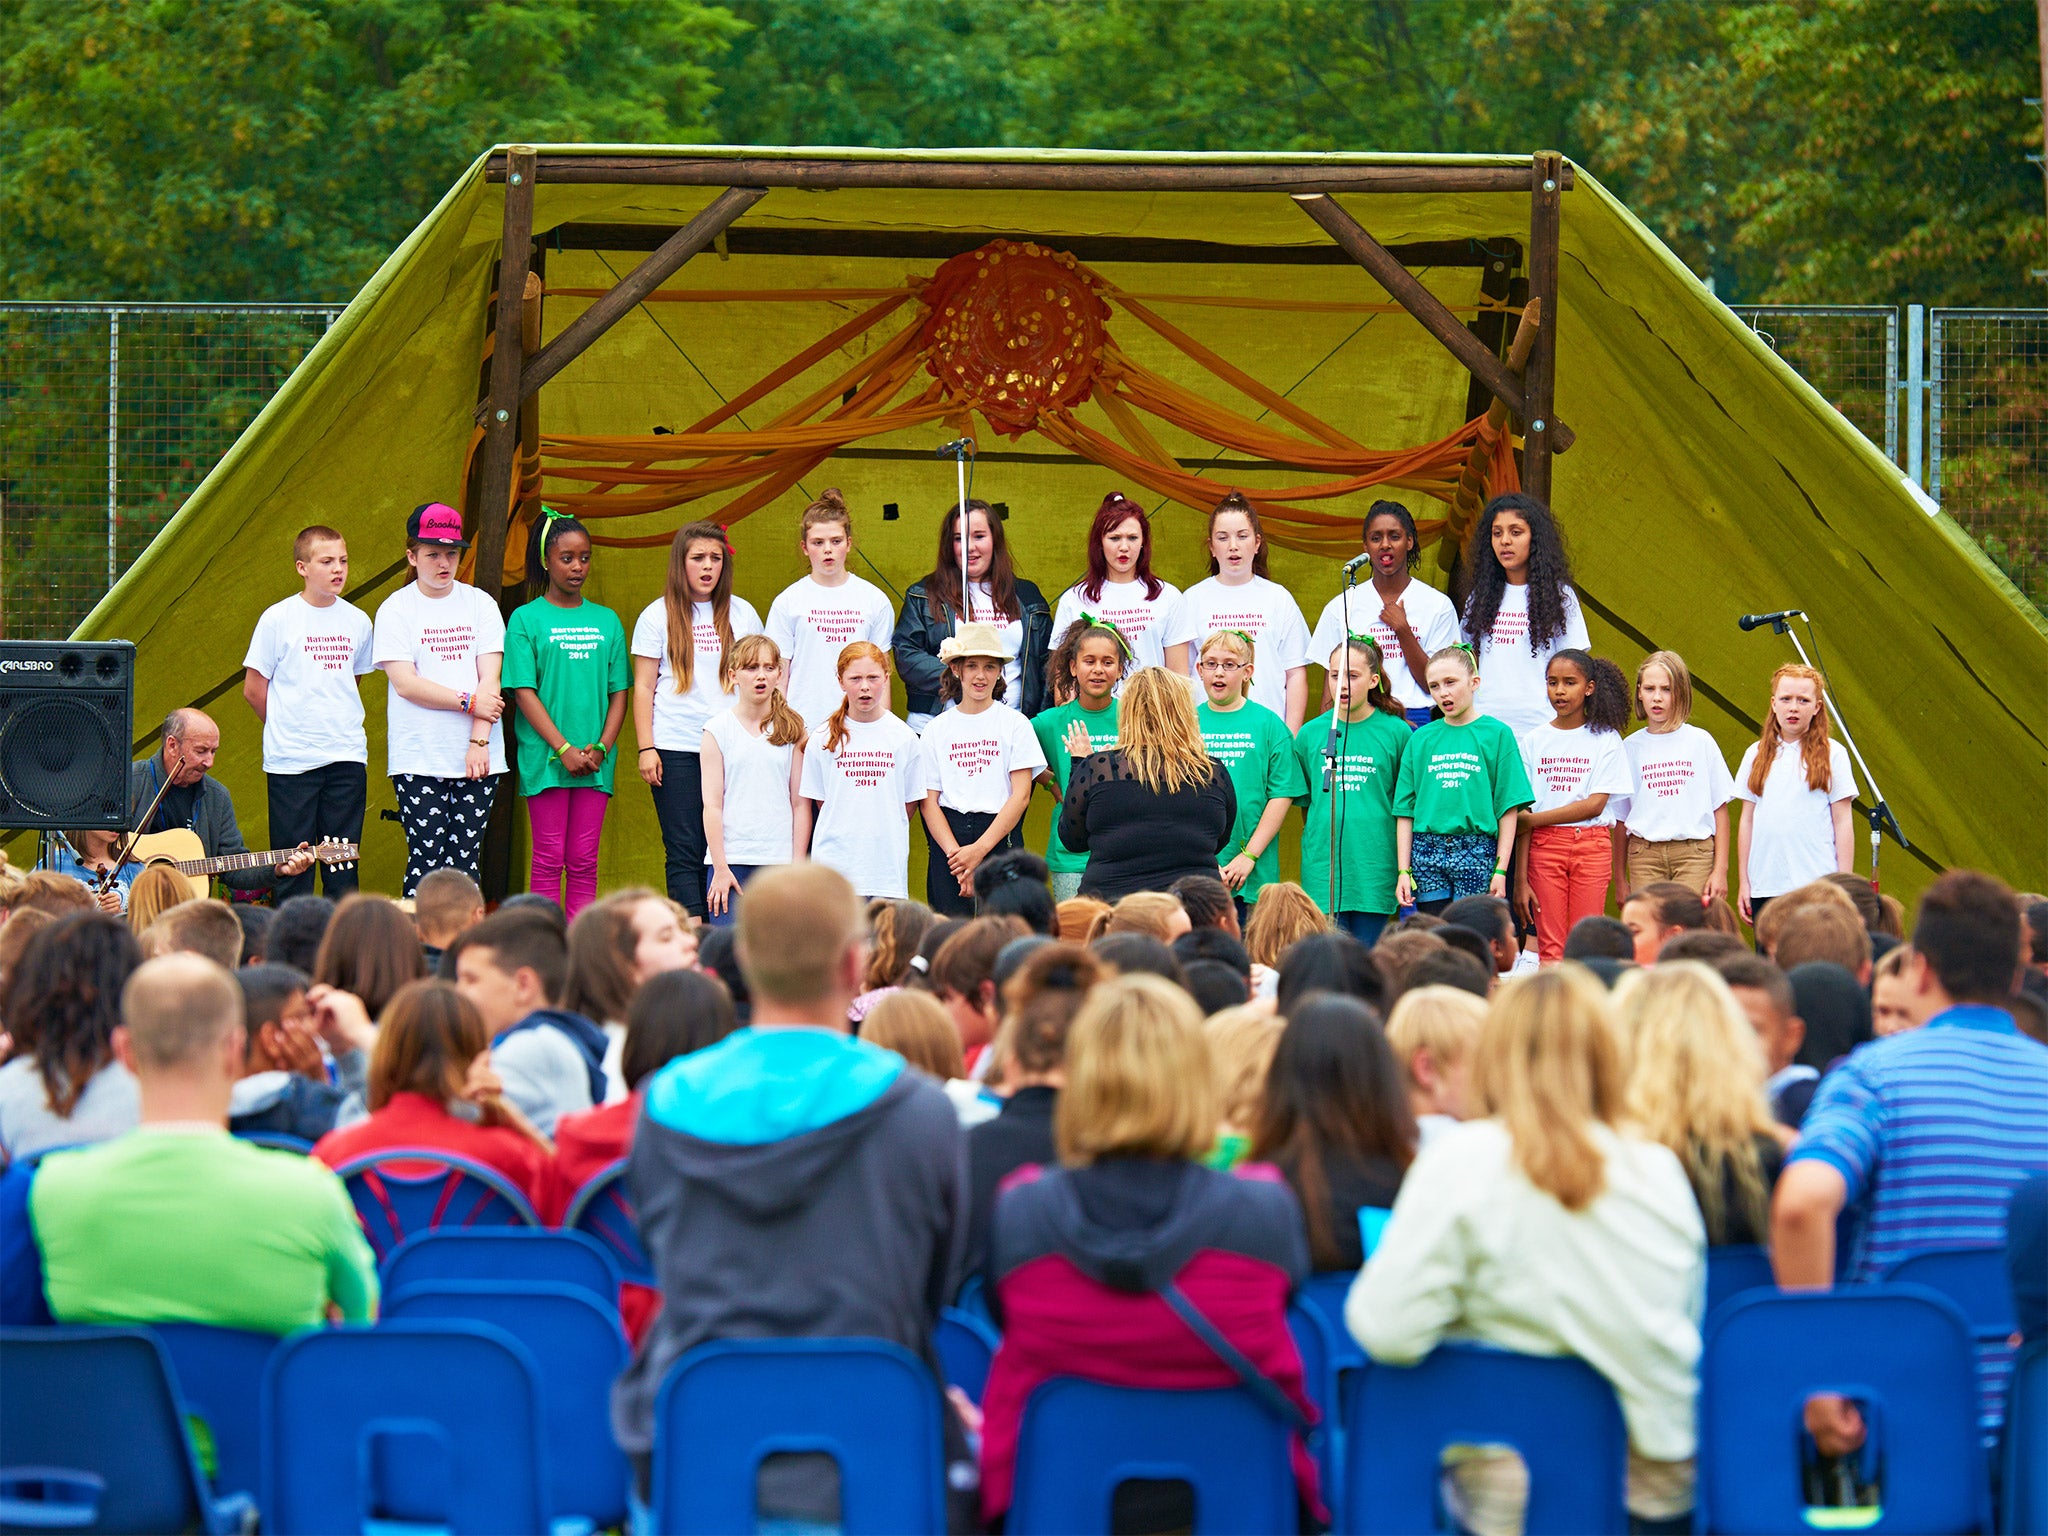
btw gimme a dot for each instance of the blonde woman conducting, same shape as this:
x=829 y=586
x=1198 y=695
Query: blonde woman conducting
x=1156 y=806
x=1549 y=1228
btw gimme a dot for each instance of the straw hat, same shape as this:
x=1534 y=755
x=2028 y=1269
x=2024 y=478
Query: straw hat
x=972 y=640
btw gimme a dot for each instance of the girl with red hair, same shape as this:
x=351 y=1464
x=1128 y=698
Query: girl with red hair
x=1797 y=788
x=1121 y=588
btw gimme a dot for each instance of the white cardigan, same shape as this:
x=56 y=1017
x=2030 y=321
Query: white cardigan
x=1473 y=1250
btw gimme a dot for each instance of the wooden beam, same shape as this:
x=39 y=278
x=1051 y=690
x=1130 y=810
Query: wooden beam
x=606 y=312
x=937 y=245
x=1496 y=280
x=1022 y=176
x=1542 y=434
x=500 y=413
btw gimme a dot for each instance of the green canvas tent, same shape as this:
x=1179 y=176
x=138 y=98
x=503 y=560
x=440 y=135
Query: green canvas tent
x=1706 y=479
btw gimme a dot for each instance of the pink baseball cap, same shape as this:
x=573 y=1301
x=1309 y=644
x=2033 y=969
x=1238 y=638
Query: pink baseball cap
x=435 y=522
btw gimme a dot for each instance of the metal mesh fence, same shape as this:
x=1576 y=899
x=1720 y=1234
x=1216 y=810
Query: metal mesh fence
x=1988 y=434
x=1850 y=353
x=110 y=416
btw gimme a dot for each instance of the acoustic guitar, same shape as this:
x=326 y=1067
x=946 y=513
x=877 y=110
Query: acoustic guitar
x=181 y=850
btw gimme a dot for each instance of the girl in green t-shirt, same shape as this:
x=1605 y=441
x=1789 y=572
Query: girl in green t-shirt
x=1461 y=783
x=1351 y=759
x=1083 y=674
x=566 y=668
x=1257 y=750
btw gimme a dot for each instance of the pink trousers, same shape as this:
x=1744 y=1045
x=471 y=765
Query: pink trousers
x=566 y=826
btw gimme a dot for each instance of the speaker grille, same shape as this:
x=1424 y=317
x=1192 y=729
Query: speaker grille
x=54 y=754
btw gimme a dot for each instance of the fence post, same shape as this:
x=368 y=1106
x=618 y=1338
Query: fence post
x=113 y=439
x=1916 y=320
x=1933 y=486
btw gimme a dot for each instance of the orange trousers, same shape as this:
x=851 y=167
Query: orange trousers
x=1570 y=869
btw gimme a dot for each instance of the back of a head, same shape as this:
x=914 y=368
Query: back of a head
x=1469 y=942
x=1016 y=883
x=266 y=989
x=1449 y=967
x=1782 y=909
x=1397 y=952
x=176 y=1008
x=1011 y=958
x=1759 y=975
x=444 y=903
x=718 y=955
x=63 y=1000
x=1153 y=913
x=1673 y=904
x=1488 y=916
x=1701 y=944
x=21 y=926
x=44 y=890
x=533 y=904
x=1281 y=917
x=1549 y=1064
x=895 y=929
x=1137 y=954
x=967 y=961
x=1082 y=918
x=1139 y=1082
x=1600 y=935
x=155 y=891
x=1836 y=1011
x=797 y=926
x=519 y=939
x=1041 y=1001
x=1214 y=946
x=426 y=1039
x=255 y=922
x=208 y=928
x=2037 y=933
x=1445 y=1021
x=1241 y=1045
x=1207 y=902
x=916 y=1026
x=1968 y=928
x=1862 y=894
x=919 y=975
x=1215 y=986
x=1330 y=962
x=1823 y=933
x=673 y=1014
x=296 y=929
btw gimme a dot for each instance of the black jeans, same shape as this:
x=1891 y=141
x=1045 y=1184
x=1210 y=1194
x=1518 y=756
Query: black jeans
x=320 y=803
x=679 y=807
x=942 y=892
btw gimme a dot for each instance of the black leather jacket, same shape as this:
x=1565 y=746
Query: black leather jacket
x=918 y=636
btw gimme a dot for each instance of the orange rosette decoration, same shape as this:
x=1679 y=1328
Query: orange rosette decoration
x=1014 y=330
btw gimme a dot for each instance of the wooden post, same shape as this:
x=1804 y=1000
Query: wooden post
x=1541 y=432
x=501 y=408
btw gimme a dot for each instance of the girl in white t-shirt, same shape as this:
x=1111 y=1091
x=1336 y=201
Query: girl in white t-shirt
x=1800 y=793
x=1521 y=610
x=1120 y=587
x=1239 y=596
x=1407 y=618
x=979 y=761
x=863 y=775
x=755 y=814
x=815 y=619
x=1677 y=822
x=682 y=645
x=1579 y=772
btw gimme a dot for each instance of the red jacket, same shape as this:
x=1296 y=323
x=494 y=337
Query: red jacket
x=414 y=1120
x=585 y=1145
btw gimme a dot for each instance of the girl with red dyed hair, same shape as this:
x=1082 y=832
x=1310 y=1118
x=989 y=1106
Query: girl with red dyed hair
x=1797 y=790
x=1121 y=588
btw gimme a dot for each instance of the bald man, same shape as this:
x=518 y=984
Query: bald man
x=198 y=800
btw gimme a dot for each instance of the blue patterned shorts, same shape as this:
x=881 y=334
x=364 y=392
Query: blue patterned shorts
x=1450 y=865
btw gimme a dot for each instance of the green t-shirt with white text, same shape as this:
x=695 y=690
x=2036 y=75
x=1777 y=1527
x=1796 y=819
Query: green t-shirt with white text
x=575 y=659
x=1254 y=747
x=1051 y=727
x=1369 y=753
x=1462 y=778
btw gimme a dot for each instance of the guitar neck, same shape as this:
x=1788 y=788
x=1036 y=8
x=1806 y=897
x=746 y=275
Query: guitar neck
x=230 y=861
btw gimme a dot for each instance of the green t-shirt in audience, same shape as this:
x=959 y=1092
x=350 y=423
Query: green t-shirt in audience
x=1254 y=747
x=1051 y=728
x=1368 y=765
x=1462 y=778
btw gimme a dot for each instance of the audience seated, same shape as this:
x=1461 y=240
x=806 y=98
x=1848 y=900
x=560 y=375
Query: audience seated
x=296 y=929
x=1128 y=954
x=1152 y=913
x=1696 y=1075
x=1835 y=1009
x=370 y=950
x=1551 y=1227
x=1332 y=961
x=1764 y=993
x=1704 y=946
x=1282 y=916
x=1879 y=922
x=1493 y=920
x=1016 y=883
x=790 y=1181
x=2037 y=936
x=1011 y=957
x=1432 y=1032
x=1449 y=967
x=511 y=967
x=616 y=945
x=895 y=929
x=46 y=891
x=283 y=1087
x=1079 y=1254
x=431 y=1070
x=178 y=1221
x=1771 y=921
x=1215 y=986
x=919 y=1029
x=962 y=976
x=1336 y=1122
x=1396 y=953
x=62 y=1085
x=445 y=905
x=208 y=928
x=1082 y=919
x=1602 y=936
x=1829 y=933
x=1658 y=912
x=1241 y=1045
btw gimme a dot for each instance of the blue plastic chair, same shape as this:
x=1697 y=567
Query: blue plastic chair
x=1557 y=1412
x=871 y=1405
x=973 y=1300
x=966 y=1346
x=1903 y=1352
x=1319 y=1350
x=537 y=1254
x=400 y=1191
x=218 y=1373
x=1081 y=1439
x=1735 y=1269
x=601 y=1211
x=277 y=1141
x=579 y=1348
x=434 y=1425
x=92 y=1439
x=1974 y=1279
x=2023 y=1482
x=1326 y=1293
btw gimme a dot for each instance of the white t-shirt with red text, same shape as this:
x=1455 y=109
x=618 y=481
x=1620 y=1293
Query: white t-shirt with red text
x=968 y=758
x=1564 y=766
x=1267 y=612
x=442 y=637
x=680 y=718
x=1511 y=685
x=1431 y=616
x=311 y=658
x=811 y=624
x=1150 y=624
x=1681 y=780
x=864 y=790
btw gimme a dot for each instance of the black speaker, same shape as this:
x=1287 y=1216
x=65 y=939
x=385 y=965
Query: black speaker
x=66 y=718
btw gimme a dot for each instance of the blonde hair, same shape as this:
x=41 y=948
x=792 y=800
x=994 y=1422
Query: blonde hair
x=1158 y=734
x=1681 y=684
x=1770 y=923
x=1281 y=917
x=836 y=730
x=1236 y=641
x=1696 y=1085
x=1445 y=1021
x=1242 y=1041
x=1146 y=912
x=795 y=926
x=1814 y=754
x=1082 y=918
x=1139 y=1082
x=155 y=891
x=1549 y=1066
x=785 y=725
x=916 y=1026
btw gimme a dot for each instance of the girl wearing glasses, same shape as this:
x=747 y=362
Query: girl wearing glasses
x=1257 y=750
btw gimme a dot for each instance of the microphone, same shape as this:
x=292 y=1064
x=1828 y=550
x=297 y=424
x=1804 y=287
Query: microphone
x=1356 y=561
x=1758 y=620
x=958 y=445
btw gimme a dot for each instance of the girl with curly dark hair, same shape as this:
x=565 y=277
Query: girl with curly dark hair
x=1579 y=771
x=1521 y=610
x=61 y=1086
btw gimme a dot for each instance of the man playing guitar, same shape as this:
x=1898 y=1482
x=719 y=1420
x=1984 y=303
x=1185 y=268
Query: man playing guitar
x=193 y=798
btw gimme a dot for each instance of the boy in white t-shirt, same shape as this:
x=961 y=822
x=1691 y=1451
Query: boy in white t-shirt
x=811 y=621
x=300 y=679
x=442 y=645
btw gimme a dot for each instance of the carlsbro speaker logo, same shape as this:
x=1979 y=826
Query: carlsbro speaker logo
x=10 y=665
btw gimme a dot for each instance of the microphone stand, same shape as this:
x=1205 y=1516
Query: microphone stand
x=1880 y=815
x=1333 y=750
x=961 y=449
